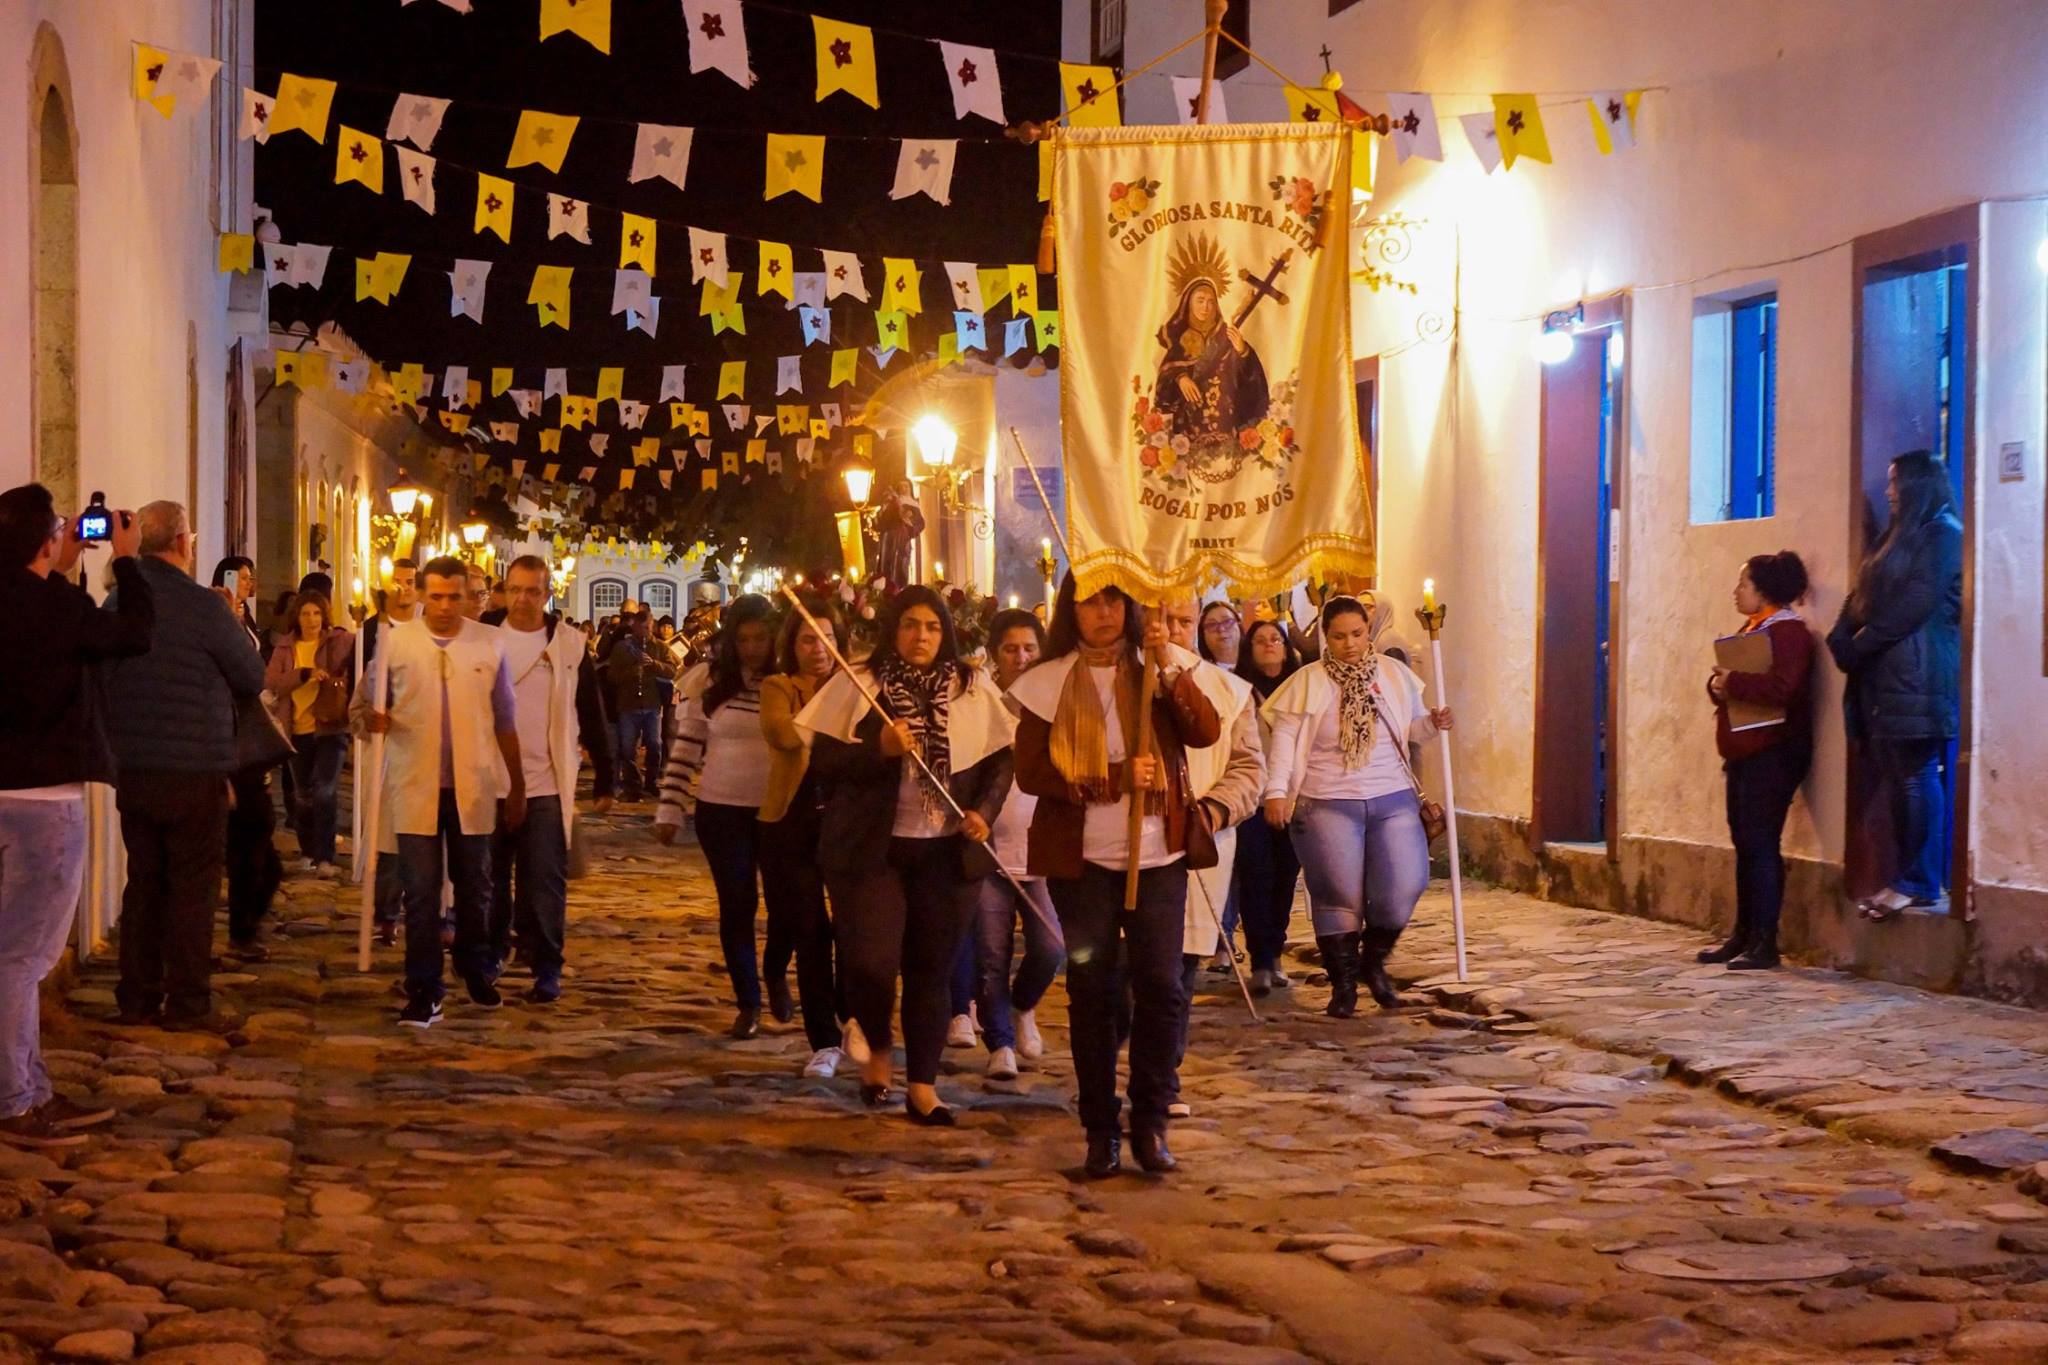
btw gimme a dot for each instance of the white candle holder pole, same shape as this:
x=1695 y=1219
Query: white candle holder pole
x=1431 y=615
x=355 y=808
x=366 y=849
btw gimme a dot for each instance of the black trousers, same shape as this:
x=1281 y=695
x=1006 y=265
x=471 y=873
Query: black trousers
x=908 y=917
x=1105 y=946
x=254 y=869
x=1760 y=792
x=794 y=889
x=174 y=826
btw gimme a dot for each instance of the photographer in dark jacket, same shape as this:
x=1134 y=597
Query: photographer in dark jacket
x=171 y=718
x=52 y=742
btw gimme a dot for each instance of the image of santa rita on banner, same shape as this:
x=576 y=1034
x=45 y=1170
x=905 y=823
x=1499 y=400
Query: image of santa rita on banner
x=1206 y=400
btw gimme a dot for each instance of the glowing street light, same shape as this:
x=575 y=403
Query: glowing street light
x=474 y=531
x=860 y=482
x=405 y=495
x=936 y=440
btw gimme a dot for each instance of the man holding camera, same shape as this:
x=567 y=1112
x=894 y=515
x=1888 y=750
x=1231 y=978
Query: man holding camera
x=52 y=742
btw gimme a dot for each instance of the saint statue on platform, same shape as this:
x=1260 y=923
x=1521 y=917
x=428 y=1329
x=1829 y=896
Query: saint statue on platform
x=899 y=521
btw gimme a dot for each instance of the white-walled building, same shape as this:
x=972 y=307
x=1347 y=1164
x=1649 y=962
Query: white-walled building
x=1821 y=253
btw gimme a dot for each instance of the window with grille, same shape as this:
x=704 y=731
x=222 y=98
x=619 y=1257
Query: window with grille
x=607 y=595
x=660 y=596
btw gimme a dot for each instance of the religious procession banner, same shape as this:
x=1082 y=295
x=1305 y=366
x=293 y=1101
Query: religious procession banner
x=1206 y=402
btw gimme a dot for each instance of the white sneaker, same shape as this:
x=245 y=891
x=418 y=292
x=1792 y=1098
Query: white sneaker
x=1178 y=1110
x=824 y=1063
x=1030 y=1043
x=853 y=1043
x=961 y=1032
x=1002 y=1064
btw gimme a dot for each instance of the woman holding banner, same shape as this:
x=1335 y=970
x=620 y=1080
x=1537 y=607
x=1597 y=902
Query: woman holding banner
x=1079 y=706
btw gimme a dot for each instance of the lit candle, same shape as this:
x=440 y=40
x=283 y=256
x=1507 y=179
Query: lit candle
x=939 y=570
x=1429 y=594
x=1013 y=601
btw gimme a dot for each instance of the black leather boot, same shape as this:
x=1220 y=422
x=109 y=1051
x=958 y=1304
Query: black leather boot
x=1149 y=1146
x=1374 y=946
x=1105 y=1153
x=1340 y=961
x=1734 y=947
x=1761 y=955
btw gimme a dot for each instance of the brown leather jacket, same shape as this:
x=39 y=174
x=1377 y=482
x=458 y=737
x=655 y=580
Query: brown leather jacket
x=1182 y=718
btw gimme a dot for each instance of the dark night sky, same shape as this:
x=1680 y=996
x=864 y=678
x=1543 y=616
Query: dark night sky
x=491 y=64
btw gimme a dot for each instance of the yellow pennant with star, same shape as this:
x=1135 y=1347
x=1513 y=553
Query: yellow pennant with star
x=732 y=379
x=901 y=285
x=550 y=294
x=590 y=20
x=846 y=60
x=796 y=163
x=1518 y=123
x=494 y=206
x=776 y=267
x=302 y=102
x=636 y=242
x=1091 y=96
x=149 y=65
x=541 y=139
x=358 y=157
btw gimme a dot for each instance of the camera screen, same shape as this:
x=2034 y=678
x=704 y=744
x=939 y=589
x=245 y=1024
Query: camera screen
x=95 y=525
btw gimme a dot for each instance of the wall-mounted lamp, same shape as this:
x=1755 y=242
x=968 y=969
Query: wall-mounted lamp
x=1554 y=343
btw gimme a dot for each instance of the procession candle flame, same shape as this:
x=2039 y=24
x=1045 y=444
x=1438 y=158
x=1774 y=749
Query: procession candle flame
x=1429 y=594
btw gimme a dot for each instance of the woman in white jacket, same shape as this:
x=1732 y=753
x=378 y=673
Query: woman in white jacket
x=1337 y=779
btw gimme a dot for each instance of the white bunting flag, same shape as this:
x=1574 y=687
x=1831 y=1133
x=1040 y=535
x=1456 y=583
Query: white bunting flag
x=466 y=289
x=186 y=76
x=309 y=264
x=806 y=289
x=1484 y=137
x=277 y=265
x=631 y=288
x=525 y=402
x=554 y=384
x=1414 y=127
x=830 y=412
x=1016 y=335
x=599 y=443
x=663 y=151
x=718 y=39
x=965 y=277
x=646 y=319
x=1187 y=96
x=632 y=415
x=761 y=424
x=416 y=119
x=568 y=218
x=977 y=89
x=843 y=277
x=707 y=257
x=349 y=376
x=255 y=115
x=817 y=325
x=455 y=387
x=925 y=168
x=1614 y=121
x=789 y=374
x=671 y=383
x=736 y=416
x=806 y=451
x=416 y=177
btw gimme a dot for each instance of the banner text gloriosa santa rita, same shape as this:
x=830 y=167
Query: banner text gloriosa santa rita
x=1304 y=236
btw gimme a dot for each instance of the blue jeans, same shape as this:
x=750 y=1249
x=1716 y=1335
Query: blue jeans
x=727 y=834
x=996 y=912
x=530 y=888
x=1919 y=812
x=1264 y=879
x=469 y=868
x=632 y=728
x=1366 y=862
x=42 y=864
x=1105 y=944
x=316 y=770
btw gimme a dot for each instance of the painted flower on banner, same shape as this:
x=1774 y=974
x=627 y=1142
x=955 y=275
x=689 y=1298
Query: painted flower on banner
x=1128 y=199
x=1300 y=198
x=1176 y=464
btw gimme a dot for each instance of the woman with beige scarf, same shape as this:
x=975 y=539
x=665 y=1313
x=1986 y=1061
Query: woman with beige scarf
x=1077 y=706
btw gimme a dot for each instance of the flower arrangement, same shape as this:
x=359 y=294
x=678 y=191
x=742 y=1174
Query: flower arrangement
x=1129 y=199
x=1175 y=463
x=1299 y=197
x=861 y=604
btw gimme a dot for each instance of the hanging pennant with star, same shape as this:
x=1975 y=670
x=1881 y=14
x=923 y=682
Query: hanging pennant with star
x=636 y=241
x=148 y=70
x=901 y=285
x=789 y=374
x=671 y=382
x=707 y=257
x=660 y=150
x=842 y=276
x=302 y=103
x=807 y=289
x=774 y=275
x=892 y=328
x=255 y=116
x=966 y=283
x=568 y=218
x=844 y=365
x=817 y=326
x=718 y=39
x=732 y=379
x=550 y=294
x=494 y=206
x=1614 y=120
x=972 y=77
x=925 y=168
x=1187 y=99
x=969 y=331
x=631 y=289
x=1519 y=125
x=416 y=119
x=416 y=177
x=846 y=60
x=1414 y=127
x=590 y=20
x=466 y=290
x=1090 y=93
x=541 y=139
x=359 y=158
x=795 y=164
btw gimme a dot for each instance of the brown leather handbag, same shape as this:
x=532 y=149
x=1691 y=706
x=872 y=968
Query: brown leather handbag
x=330 y=703
x=1434 y=821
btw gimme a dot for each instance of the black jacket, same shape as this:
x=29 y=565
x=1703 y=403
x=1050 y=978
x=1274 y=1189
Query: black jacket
x=1904 y=661
x=636 y=669
x=593 y=731
x=859 y=785
x=52 y=726
x=173 y=708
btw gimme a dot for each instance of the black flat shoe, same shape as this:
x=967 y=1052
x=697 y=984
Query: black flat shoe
x=1105 y=1155
x=938 y=1116
x=779 y=1003
x=1149 y=1146
x=1755 y=960
x=1726 y=952
x=876 y=1096
x=746 y=1024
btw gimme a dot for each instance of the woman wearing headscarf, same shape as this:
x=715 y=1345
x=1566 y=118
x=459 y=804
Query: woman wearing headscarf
x=1078 y=707
x=1899 y=640
x=1267 y=869
x=1338 y=778
x=898 y=860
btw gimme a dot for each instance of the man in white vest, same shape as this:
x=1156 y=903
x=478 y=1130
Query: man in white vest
x=441 y=692
x=1226 y=779
x=555 y=691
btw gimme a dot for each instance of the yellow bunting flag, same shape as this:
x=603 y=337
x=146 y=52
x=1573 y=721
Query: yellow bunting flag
x=312 y=369
x=457 y=422
x=494 y=206
x=776 y=268
x=1091 y=96
x=551 y=441
x=542 y=139
x=698 y=421
x=795 y=163
x=1047 y=325
x=949 y=347
x=995 y=285
x=473 y=393
x=237 y=251
x=359 y=157
x=625 y=478
x=790 y=420
x=302 y=103
x=900 y=281
x=1310 y=106
x=286 y=364
x=367 y=281
x=149 y=66
x=730 y=461
x=708 y=480
x=757 y=452
x=578 y=411
x=732 y=379
x=390 y=267
x=844 y=365
x=1519 y=125
x=821 y=430
x=1614 y=120
x=408 y=381
x=646 y=449
x=550 y=293
x=590 y=20
x=611 y=383
x=636 y=242
x=548 y=472
x=678 y=416
x=846 y=60
x=501 y=380
x=1023 y=290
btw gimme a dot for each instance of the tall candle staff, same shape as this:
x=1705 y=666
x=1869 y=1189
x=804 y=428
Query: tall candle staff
x=1431 y=614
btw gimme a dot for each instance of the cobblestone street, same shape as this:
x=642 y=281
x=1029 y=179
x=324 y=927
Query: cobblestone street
x=1502 y=1172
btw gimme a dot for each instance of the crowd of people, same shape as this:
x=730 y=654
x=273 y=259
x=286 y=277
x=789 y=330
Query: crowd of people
x=1120 y=790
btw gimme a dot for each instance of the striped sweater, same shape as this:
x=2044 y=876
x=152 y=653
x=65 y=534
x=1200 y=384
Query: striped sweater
x=722 y=758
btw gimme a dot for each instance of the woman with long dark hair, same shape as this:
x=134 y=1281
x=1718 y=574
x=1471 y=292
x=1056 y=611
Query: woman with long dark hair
x=1080 y=708
x=315 y=657
x=1338 y=779
x=253 y=867
x=1267 y=869
x=716 y=775
x=1899 y=640
x=897 y=859
x=1764 y=762
x=791 y=882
